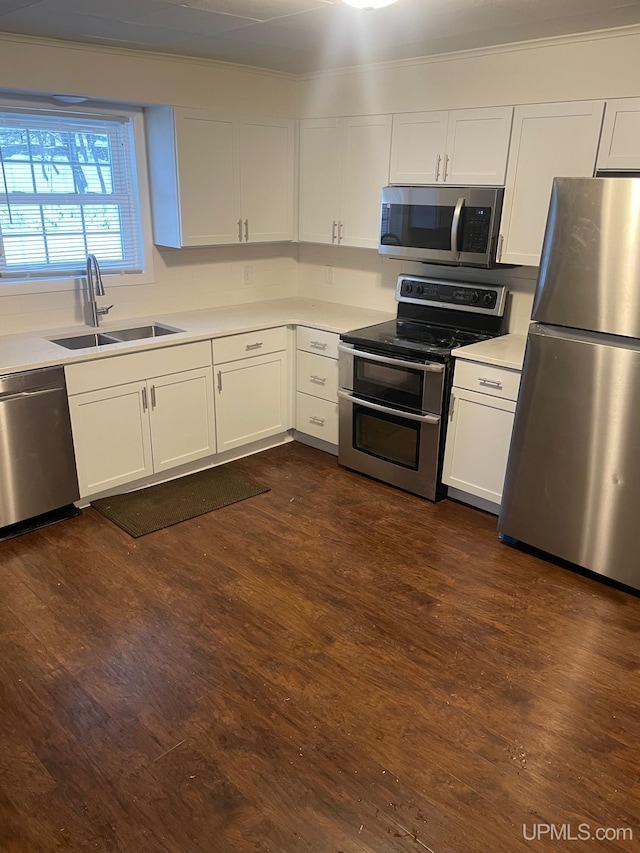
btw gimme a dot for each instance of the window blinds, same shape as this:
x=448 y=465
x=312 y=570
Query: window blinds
x=67 y=189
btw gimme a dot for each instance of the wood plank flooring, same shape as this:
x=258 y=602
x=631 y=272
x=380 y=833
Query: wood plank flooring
x=332 y=667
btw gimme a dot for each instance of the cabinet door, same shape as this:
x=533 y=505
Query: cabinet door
x=548 y=140
x=251 y=400
x=620 y=143
x=266 y=179
x=477 y=445
x=477 y=146
x=320 y=161
x=208 y=179
x=365 y=170
x=418 y=143
x=111 y=437
x=181 y=413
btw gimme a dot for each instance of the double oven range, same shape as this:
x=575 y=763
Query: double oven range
x=395 y=379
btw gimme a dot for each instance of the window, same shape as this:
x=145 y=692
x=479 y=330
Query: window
x=68 y=188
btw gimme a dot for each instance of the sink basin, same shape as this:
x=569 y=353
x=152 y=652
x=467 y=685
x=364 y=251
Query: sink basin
x=100 y=339
x=153 y=331
x=84 y=341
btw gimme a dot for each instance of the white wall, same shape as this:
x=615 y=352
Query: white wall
x=363 y=277
x=596 y=66
x=561 y=69
x=582 y=68
x=189 y=278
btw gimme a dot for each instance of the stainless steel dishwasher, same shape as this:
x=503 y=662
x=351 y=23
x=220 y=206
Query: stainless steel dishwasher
x=37 y=463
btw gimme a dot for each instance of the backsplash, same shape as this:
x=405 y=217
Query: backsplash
x=185 y=280
x=192 y=279
x=363 y=277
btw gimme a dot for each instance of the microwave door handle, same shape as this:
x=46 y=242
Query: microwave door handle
x=455 y=225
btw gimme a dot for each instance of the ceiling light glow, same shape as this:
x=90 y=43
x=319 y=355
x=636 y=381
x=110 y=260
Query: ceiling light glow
x=368 y=4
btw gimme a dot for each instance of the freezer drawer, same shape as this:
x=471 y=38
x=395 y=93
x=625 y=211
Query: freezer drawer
x=572 y=486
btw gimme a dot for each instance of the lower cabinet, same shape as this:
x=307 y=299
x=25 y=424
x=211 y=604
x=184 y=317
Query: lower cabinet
x=125 y=431
x=481 y=412
x=251 y=394
x=317 y=384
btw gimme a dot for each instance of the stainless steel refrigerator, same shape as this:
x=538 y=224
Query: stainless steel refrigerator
x=572 y=486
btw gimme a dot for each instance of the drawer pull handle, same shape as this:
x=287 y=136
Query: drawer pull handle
x=314 y=419
x=254 y=346
x=492 y=383
x=153 y=396
x=145 y=405
x=319 y=344
x=219 y=382
x=319 y=380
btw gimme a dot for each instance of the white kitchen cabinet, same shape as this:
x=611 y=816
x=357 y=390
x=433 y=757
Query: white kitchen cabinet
x=481 y=413
x=251 y=393
x=548 y=140
x=620 y=141
x=317 y=385
x=467 y=147
x=219 y=179
x=344 y=163
x=126 y=430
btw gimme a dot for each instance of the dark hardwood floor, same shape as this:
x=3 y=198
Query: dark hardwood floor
x=332 y=667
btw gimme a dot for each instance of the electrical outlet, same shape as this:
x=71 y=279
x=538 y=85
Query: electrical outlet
x=247 y=275
x=328 y=275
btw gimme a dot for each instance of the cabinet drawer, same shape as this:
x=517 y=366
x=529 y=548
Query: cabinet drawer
x=487 y=379
x=317 y=375
x=317 y=417
x=317 y=341
x=108 y=371
x=249 y=343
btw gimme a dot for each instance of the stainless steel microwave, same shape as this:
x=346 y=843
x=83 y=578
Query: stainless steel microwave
x=441 y=225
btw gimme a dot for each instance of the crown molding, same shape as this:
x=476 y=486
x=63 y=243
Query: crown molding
x=472 y=53
x=94 y=47
x=452 y=56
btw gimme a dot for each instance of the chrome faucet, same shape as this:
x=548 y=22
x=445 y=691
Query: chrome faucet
x=95 y=287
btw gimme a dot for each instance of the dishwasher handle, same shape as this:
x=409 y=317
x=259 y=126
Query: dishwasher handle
x=35 y=392
x=32 y=382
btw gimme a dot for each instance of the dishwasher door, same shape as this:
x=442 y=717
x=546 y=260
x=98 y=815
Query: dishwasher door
x=37 y=462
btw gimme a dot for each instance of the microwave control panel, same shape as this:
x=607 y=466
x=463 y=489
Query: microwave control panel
x=476 y=229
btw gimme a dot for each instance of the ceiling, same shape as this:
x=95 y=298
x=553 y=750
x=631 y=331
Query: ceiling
x=302 y=36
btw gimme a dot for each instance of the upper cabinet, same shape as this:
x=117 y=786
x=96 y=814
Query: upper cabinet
x=218 y=179
x=467 y=147
x=344 y=163
x=620 y=143
x=548 y=141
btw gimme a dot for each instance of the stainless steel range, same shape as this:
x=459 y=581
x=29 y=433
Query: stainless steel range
x=395 y=379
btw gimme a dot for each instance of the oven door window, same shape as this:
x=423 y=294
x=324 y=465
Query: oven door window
x=396 y=386
x=417 y=226
x=394 y=439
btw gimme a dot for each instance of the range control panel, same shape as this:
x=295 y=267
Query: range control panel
x=462 y=296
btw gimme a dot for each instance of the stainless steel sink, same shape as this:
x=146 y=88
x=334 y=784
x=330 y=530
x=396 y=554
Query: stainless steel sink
x=153 y=331
x=84 y=341
x=100 y=339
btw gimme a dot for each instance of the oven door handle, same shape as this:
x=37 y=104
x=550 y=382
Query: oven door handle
x=394 y=362
x=409 y=416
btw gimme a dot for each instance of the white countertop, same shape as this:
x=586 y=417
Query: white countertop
x=504 y=351
x=34 y=349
